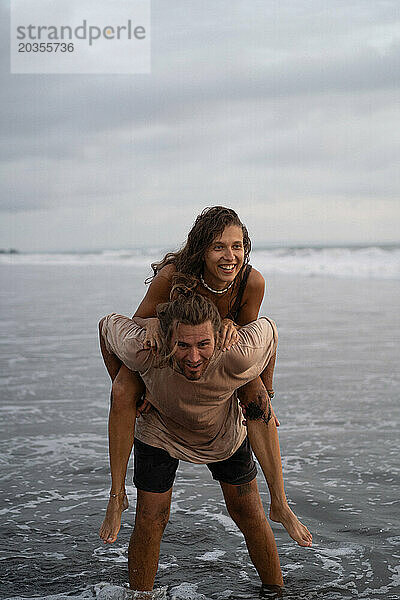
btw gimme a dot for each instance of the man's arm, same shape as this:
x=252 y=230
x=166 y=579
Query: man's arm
x=143 y=323
x=263 y=435
x=268 y=374
x=121 y=341
x=254 y=351
x=257 y=407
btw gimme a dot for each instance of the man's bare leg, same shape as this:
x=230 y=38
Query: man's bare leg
x=127 y=389
x=244 y=506
x=264 y=441
x=152 y=514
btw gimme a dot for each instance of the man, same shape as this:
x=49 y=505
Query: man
x=196 y=418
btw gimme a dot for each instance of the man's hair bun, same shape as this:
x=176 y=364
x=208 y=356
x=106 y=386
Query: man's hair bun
x=183 y=286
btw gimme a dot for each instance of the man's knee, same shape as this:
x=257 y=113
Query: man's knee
x=152 y=517
x=245 y=506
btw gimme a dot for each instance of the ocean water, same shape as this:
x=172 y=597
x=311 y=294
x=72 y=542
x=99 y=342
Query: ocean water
x=366 y=262
x=337 y=397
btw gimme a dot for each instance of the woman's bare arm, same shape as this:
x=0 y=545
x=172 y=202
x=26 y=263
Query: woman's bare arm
x=251 y=302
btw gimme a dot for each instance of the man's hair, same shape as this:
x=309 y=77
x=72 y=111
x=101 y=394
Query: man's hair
x=210 y=224
x=187 y=308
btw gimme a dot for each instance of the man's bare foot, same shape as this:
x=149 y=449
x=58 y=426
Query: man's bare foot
x=112 y=522
x=296 y=530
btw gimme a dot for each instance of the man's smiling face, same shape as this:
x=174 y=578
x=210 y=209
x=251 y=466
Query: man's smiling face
x=194 y=347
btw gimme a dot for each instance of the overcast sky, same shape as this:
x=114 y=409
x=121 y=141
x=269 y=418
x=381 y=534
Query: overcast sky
x=287 y=111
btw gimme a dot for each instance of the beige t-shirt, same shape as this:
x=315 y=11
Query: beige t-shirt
x=197 y=421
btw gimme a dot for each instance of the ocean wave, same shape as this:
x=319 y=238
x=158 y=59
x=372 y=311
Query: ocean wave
x=142 y=256
x=372 y=262
x=369 y=262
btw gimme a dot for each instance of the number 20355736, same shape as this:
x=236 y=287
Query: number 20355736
x=45 y=47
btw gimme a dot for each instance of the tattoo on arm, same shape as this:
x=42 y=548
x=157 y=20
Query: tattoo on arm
x=255 y=411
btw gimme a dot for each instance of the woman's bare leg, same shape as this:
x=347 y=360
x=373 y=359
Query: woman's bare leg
x=127 y=389
x=265 y=444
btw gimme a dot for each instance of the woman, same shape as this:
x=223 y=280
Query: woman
x=216 y=255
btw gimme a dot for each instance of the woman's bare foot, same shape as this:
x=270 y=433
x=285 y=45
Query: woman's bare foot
x=296 y=530
x=112 y=522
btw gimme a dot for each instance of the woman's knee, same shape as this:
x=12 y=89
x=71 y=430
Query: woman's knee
x=127 y=389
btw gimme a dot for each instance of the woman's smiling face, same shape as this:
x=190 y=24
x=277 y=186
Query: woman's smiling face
x=224 y=257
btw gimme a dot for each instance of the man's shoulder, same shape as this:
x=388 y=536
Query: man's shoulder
x=124 y=338
x=256 y=340
x=124 y=326
x=256 y=333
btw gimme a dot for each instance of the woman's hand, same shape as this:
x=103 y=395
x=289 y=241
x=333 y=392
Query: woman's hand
x=152 y=341
x=228 y=334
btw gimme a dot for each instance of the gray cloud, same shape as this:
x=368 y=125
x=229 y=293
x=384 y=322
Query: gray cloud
x=247 y=103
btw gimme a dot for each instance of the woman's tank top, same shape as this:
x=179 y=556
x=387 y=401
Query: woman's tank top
x=237 y=305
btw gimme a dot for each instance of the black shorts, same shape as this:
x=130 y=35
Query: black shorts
x=154 y=468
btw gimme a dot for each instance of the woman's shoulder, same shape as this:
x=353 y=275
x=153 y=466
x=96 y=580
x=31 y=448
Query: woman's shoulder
x=255 y=281
x=167 y=272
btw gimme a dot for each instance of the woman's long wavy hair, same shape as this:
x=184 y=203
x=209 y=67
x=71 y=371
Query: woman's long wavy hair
x=210 y=224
